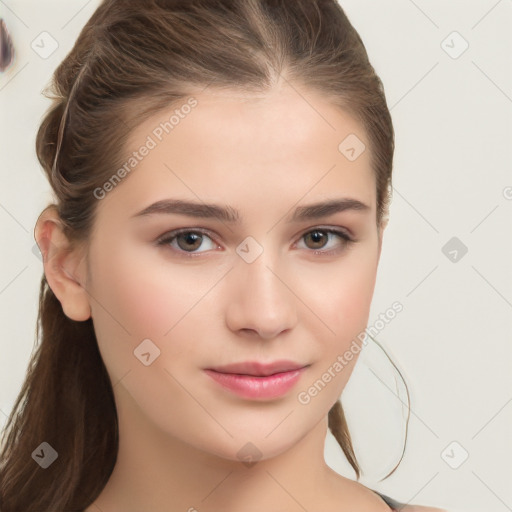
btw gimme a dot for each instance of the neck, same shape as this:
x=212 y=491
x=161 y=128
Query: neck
x=156 y=471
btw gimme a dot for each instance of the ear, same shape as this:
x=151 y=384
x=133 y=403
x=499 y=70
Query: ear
x=65 y=268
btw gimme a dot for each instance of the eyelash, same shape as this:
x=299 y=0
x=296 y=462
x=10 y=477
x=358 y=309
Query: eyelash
x=167 y=238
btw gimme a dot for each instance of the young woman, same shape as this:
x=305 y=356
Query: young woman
x=222 y=171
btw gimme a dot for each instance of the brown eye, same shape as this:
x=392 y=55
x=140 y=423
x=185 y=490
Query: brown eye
x=189 y=240
x=186 y=241
x=318 y=238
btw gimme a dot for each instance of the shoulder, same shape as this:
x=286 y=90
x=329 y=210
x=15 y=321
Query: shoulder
x=420 y=508
x=367 y=499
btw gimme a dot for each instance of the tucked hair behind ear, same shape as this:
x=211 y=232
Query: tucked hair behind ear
x=132 y=59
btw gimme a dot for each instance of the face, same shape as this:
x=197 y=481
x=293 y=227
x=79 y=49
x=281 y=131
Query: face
x=270 y=286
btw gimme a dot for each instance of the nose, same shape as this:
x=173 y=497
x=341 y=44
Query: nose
x=261 y=302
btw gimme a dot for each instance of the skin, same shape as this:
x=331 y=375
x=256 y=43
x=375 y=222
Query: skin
x=180 y=432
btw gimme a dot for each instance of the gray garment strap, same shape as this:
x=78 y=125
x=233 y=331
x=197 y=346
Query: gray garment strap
x=395 y=505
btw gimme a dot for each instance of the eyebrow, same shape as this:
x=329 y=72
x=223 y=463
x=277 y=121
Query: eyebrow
x=229 y=214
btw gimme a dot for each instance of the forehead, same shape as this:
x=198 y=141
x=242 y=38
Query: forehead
x=281 y=145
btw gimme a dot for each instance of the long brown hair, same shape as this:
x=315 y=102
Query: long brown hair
x=132 y=59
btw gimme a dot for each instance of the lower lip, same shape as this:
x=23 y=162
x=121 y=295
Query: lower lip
x=249 y=386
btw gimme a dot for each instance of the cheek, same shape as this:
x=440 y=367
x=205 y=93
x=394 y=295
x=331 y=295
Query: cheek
x=142 y=296
x=354 y=300
x=343 y=305
x=341 y=294
x=156 y=301
x=130 y=304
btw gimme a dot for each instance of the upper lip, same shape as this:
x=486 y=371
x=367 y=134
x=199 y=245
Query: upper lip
x=258 y=369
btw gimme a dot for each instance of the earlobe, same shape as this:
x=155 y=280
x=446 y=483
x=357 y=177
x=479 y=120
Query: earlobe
x=64 y=268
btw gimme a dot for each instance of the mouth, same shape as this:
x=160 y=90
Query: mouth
x=254 y=380
x=258 y=369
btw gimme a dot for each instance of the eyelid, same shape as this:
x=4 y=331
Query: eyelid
x=175 y=232
x=341 y=232
x=347 y=240
x=330 y=228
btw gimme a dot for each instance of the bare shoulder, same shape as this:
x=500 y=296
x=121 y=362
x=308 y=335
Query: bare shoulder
x=420 y=508
x=366 y=499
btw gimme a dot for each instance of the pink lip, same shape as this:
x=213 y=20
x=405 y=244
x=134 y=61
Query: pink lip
x=258 y=369
x=251 y=386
